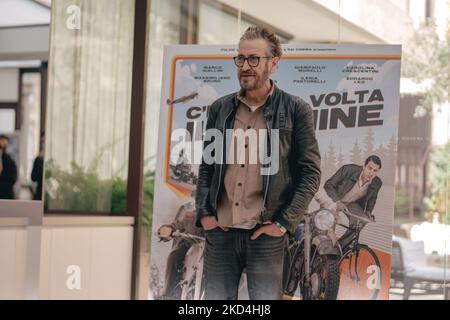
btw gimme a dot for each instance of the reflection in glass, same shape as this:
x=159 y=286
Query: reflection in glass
x=30 y=133
x=88 y=111
x=212 y=33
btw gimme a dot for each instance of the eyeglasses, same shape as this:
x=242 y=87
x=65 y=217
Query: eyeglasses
x=253 y=61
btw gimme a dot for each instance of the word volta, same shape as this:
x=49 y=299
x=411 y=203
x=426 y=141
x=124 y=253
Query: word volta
x=363 y=110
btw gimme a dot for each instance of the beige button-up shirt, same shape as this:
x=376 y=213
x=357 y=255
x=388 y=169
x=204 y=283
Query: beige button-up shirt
x=241 y=204
x=358 y=191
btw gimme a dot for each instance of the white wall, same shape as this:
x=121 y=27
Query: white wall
x=9 y=85
x=441 y=125
x=100 y=246
x=381 y=18
x=307 y=21
x=417 y=11
x=442 y=16
x=22 y=12
x=103 y=254
x=402 y=4
x=13 y=247
x=19 y=43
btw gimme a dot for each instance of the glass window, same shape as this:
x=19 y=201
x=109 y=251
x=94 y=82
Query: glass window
x=88 y=111
x=164 y=29
x=226 y=18
x=30 y=127
x=213 y=33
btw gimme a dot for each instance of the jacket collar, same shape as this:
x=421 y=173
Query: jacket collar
x=273 y=93
x=357 y=174
x=269 y=107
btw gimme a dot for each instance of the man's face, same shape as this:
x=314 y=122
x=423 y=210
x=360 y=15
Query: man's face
x=253 y=78
x=370 y=170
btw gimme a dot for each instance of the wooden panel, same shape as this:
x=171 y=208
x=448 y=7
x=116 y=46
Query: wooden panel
x=69 y=247
x=44 y=283
x=12 y=263
x=103 y=254
x=111 y=263
x=20 y=268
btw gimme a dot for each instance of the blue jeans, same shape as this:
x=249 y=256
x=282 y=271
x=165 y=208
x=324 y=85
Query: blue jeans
x=227 y=253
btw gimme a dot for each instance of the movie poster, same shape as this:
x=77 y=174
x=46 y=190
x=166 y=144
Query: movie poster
x=354 y=93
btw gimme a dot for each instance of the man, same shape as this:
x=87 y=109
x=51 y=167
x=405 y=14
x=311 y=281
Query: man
x=184 y=222
x=8 y=170
x=357 y=188
x=245 y=214
x=37 y=172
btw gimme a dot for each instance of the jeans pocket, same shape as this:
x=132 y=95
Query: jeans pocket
x=267 y=237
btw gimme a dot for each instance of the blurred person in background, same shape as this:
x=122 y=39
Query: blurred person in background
x=38 y=171
x=8 y=170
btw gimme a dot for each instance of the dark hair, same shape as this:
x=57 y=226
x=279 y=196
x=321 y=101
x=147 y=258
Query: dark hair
x=2 y=136
x=375 y=159
x=255 y=32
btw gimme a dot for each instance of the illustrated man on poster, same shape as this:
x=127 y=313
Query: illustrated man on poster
x=245 y=213
x=355 y=187
x=184 y=222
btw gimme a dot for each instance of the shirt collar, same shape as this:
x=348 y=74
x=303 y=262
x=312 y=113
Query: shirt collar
x=360 y=180
x=241 y=94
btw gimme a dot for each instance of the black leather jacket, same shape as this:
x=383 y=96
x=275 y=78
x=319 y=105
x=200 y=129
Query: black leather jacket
x=287 y=193
x=8 y=177
x=343 y=181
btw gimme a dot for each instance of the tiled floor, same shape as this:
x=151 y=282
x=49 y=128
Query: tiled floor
x=397 y=294
x=417 y=297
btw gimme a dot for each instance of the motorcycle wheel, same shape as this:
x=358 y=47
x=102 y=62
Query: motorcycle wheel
x=292 y=274
x=188 y=291
x=325 y=276
x=361 y=274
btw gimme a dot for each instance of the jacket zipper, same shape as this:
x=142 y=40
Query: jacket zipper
x=223 y=149
x=268 y=176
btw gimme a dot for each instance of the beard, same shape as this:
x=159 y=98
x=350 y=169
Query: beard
x=253 y=81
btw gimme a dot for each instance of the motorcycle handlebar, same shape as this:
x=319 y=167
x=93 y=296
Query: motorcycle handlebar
x=348 y=213
x=177 y=233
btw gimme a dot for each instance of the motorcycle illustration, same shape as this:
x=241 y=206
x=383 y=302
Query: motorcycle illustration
x=191 y=283
x=317 y=264
x=314 y=259
x=360 y=267
x=182 y=170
